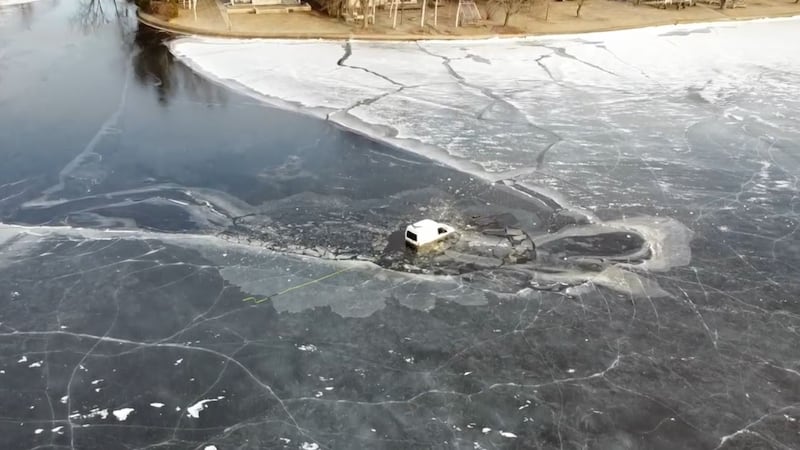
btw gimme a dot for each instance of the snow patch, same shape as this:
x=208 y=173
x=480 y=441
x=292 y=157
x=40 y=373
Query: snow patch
x=122 y=414
x=96 y=412
x=194 y=410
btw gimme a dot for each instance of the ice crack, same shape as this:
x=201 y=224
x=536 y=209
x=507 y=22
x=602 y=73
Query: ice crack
x=348 y=51
x=746 y=429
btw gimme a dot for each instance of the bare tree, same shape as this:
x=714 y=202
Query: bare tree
x=511 y=7
x=363 y=7
x=333 y=7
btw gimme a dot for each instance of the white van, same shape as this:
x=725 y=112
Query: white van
x=427 y=232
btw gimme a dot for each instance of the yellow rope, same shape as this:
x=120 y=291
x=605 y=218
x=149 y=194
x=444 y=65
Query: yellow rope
x=307 y=283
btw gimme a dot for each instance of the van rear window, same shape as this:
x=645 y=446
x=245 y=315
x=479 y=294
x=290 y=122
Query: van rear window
x=411 y=235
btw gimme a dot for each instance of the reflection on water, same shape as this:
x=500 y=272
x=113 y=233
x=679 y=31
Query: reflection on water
x=24 y=12
x=154 y=65
x=92 y=14
x=104 y=20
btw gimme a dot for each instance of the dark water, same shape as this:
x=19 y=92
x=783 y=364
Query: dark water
x=183 y=267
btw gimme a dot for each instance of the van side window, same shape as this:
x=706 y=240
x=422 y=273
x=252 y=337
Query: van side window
x=442 y=230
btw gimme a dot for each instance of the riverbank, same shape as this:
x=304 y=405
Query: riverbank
x=210 y=19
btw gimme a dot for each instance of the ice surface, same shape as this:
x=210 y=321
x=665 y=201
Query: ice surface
x=565 y=118
x=319 y=366
x=502 y=103
x=273 y=68
x=615 y=334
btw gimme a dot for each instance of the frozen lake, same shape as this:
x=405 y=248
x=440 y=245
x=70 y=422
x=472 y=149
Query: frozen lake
x=200 y=239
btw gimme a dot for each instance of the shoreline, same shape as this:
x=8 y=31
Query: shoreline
x=181 y=29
